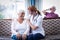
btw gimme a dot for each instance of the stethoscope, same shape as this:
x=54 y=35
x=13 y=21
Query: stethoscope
x=35 y=19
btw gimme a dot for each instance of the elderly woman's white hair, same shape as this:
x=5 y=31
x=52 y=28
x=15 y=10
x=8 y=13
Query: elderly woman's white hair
x=21 y=11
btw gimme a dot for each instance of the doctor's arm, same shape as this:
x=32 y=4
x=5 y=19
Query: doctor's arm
x=31 y=25
x=36 y=25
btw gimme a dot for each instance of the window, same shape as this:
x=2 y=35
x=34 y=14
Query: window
x=9 y=8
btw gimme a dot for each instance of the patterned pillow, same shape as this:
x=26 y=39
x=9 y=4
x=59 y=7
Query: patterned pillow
x=51 y=26
x=5 y=27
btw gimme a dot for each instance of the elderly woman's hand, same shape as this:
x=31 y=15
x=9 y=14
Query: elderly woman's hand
x=24 y=36
x=18 y=35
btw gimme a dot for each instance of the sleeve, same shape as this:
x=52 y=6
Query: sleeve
x=39 y=21
x=13 y=28
x=56 y=15
x=27 y=30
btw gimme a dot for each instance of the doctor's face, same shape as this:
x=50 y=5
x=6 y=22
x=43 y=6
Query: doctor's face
x=30 y=12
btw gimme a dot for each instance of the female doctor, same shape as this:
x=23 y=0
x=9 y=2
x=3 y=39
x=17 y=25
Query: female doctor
x=35 y=22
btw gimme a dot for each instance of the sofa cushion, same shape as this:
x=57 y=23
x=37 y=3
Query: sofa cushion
x=5 y=38
x=51 y=26
x=5 y=27
x=52 y=37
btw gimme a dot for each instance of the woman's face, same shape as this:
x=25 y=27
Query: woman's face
x=21 y=15
x=30 y=12
x=53 y=9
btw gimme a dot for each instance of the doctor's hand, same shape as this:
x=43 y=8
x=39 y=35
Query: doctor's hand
x=28 y=21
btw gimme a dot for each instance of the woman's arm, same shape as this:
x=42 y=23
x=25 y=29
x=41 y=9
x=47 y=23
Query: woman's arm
x=37 y=24
x=31 y=25
x=44 y=11
x=27 y=30
x=13 y=31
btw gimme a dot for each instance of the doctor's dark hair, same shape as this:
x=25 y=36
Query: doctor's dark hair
x=38 y=12
x=34 y=9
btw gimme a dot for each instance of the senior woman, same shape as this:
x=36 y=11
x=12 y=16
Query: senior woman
x=20 y=28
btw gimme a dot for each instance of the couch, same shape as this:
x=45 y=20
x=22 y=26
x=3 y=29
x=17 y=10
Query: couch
x=51 y=27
